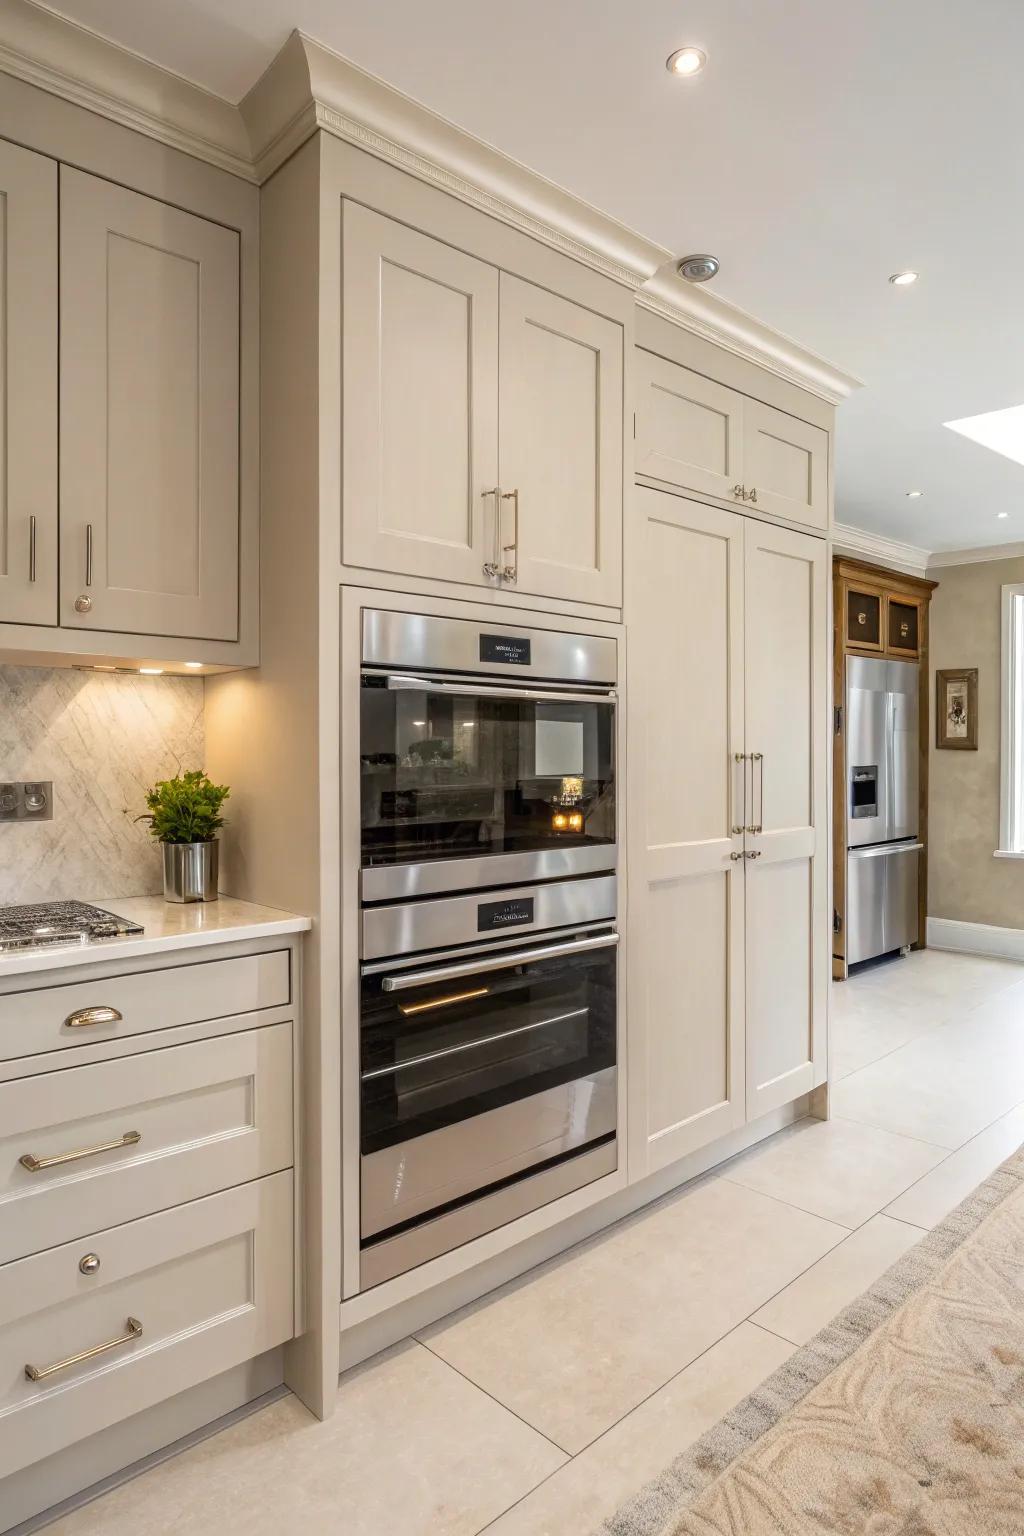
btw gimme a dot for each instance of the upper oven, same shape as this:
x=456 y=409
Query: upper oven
x=487 y=755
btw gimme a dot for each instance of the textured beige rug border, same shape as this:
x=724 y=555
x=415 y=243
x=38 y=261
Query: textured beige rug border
x=669 y=1495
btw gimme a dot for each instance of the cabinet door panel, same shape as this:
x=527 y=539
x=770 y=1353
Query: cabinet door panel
x=28 y=387
x=420 y=352
x=149 y=415
x=686 y=916
x=787 y=914
x=560 y=405
x=688 y=429
x=785 y=461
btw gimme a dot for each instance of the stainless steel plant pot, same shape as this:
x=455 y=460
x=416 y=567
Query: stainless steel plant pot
x=191 y=870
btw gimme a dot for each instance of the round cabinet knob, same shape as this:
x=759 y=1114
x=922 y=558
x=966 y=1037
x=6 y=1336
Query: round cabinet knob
x=83 y=604
x=89 y=1264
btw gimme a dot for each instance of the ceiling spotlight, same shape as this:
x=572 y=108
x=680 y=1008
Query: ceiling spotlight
x=912 y=494
x=686 y=61
x=1002 y=514
x=903 y=279
x=698 y=269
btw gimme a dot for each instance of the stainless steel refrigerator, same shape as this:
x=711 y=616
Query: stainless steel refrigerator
x=883 y=858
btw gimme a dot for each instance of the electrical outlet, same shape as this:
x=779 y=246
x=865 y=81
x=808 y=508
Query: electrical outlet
x=31 y=800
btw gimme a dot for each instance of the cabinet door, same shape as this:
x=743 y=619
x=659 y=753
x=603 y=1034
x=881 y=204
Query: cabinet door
x=785 y=464
x=420 y=383
x=686 y=917
x=787 y=905
x=689 y=430
x=28 y=387
x=149 y=415
x=560 y=401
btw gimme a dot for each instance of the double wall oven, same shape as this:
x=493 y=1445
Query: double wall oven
x=489 y=941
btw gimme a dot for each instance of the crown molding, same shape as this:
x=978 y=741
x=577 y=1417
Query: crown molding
x=309 y=87
x=988 y=552
x=67 y=60
x=876 y=548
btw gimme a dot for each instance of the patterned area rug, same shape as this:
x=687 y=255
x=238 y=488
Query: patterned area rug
x=904 y=1417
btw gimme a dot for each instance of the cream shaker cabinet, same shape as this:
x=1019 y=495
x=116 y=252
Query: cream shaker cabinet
x=149 y=415
x=729 y=937
x=701 y=436
x=482 y=421
x=28 y=387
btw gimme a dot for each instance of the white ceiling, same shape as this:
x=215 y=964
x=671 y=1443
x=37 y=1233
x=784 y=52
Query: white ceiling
x=828 y=144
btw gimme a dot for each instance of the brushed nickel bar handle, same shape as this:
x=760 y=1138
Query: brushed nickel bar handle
x=474 y=967
x=36 y=1164
x=397 y=682
x=133 y=1330
x=493 y=567
x=88 y=554
x=32 y=547
x=101 y=1014
x=758 y=810
x=511 y=572
x=739 y=758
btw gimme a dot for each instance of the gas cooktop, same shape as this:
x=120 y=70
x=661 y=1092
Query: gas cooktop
x=59 y=922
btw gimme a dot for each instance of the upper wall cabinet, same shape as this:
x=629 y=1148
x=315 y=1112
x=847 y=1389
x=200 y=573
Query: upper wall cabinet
x=703 y=437
x=149 y=412
x=482 y=421
x=28 y=387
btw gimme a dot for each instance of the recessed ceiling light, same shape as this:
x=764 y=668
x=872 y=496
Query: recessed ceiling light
x=152 y=671
x=1002 y=514
x=912 y=494
x=698 y=269
x=1002 y=431
x=903 y=279
x=686 y=61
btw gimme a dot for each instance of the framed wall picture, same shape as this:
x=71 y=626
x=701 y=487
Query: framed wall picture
x=956 y=709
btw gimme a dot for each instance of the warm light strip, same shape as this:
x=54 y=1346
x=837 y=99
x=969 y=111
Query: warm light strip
x=442 y=1002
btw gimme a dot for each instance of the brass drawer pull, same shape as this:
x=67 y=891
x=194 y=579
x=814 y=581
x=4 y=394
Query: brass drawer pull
x=40 y=1372
x=36 y=1164
x=98 y=1015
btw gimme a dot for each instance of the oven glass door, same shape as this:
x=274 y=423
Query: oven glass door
x=455 y=769
x=454 y=1046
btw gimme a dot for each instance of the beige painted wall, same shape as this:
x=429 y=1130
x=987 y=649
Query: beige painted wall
x=964 y=881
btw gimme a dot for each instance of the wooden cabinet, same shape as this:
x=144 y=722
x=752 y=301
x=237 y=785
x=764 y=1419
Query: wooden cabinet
x=28 y=387
x=482 y=421
x=697 y=434
x=149 y=402
x=728 y=925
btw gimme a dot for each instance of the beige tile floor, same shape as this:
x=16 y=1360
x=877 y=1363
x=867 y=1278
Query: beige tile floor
x=537 y=1410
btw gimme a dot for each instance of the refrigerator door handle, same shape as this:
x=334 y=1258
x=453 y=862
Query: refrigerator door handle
x=882 y=850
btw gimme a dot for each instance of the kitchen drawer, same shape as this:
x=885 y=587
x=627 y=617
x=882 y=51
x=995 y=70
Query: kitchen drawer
x=179 y=1297
x=141 y=1133
x=32 y=1022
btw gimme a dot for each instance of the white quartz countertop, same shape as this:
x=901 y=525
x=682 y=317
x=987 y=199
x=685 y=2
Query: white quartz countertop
x=168 y=926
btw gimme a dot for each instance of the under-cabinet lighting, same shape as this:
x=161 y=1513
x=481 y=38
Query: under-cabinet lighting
x=152 y=671
x=193 y=664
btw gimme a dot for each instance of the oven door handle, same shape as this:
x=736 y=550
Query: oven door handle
x=397 y=682
x=471 y=1045
x=473 y=967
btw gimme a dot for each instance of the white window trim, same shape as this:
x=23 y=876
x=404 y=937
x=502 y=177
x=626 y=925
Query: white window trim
x=1011 y=752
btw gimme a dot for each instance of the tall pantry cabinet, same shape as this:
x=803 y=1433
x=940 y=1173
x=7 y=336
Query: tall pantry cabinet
x=727 y=620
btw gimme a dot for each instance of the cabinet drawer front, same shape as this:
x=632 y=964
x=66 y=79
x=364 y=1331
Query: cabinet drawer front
x=34 y=1022
x=209 y=1283
x=98 y=1145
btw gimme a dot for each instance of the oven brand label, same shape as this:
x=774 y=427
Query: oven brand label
x=503 y=914
x=514 y=650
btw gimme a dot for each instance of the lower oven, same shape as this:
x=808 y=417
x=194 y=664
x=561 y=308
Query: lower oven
x=488 y=1088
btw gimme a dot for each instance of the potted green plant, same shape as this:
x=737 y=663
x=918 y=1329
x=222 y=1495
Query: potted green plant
x=184 y=817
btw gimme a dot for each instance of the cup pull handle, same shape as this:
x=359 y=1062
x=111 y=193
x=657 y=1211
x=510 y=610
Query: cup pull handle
x=101 y=1014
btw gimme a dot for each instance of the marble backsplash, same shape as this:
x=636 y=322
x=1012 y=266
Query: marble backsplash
x=103 y=739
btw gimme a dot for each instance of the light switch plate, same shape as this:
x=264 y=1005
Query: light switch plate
x=30 y=800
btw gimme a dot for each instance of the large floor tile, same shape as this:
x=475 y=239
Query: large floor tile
x=933 y=1197
x=813 y=1299
x=412 y=1448
x=865 y=1026
x=948 y=1085
x=834 y=1168
x=576 y=1344
x=574 y=1500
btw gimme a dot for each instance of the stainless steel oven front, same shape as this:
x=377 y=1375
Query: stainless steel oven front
x=487 y=755
x=487 y=1065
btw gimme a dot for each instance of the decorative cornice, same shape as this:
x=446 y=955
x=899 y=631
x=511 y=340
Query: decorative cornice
x=943 y=557
x=877 y=548
x=70 y=61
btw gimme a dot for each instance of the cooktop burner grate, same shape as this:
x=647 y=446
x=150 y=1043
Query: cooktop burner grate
x=59 y=922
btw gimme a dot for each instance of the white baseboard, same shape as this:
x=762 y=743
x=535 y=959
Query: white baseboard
x=976 y=938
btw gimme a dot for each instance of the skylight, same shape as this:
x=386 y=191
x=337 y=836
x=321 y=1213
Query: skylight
x=1002 y=431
